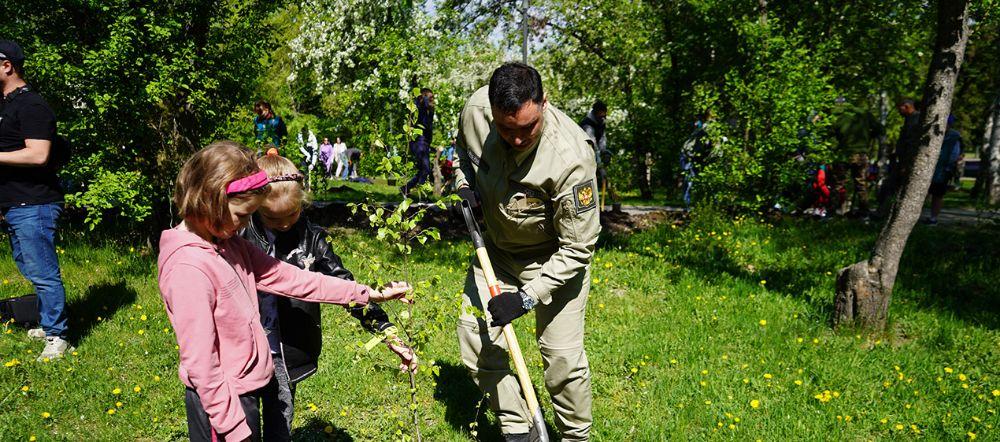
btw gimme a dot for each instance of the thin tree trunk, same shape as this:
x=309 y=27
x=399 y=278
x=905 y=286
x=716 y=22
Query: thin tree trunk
x=990 y=164
x=984 y=158
x=436 y=168
x=864 y=289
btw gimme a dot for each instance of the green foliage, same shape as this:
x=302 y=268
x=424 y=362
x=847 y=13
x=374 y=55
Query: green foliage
x=139 y=86
x=123 y=191
x=773 y=104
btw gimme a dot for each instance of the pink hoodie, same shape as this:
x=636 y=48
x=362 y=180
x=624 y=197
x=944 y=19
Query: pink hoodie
x=210 y=294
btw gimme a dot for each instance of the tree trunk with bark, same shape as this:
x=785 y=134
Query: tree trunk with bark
x=984 y=156
x=438 y=177
x=989 y=163
x=864 y=289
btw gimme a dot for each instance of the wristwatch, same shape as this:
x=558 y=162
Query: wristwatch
x=526 y=301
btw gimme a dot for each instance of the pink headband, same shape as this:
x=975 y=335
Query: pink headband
x=252 y=182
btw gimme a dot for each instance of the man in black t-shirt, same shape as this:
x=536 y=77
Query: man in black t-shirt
x=30 y=196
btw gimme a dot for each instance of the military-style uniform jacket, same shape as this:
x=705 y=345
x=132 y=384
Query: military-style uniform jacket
x=539 y=205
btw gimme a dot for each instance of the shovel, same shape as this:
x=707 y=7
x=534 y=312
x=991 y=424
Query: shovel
x=508 y=330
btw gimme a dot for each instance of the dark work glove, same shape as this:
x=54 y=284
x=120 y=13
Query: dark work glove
x=467 y=194
x=507 y=307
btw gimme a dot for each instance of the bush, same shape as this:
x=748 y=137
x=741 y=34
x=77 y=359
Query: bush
x=773 y=109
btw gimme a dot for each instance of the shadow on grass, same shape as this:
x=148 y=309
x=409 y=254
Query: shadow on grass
x=462 y=400
x=945 y=269
x=100 y=300
x=315 y=429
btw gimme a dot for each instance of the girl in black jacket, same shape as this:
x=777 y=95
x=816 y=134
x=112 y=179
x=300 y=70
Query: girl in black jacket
x=293 y=327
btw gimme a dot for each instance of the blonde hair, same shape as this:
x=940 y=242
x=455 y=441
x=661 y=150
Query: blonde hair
x=200 y=191
x=284 y=192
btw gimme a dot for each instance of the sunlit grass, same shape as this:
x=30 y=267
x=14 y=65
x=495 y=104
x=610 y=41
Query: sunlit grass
x=716 y=330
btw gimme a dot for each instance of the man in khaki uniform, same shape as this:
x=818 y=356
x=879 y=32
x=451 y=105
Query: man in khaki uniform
x=535 y=175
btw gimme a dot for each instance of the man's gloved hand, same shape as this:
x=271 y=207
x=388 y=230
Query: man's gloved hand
x=467 y=194
x=509 y=306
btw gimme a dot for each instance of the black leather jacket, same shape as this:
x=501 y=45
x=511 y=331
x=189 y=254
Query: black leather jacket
x=301 y=334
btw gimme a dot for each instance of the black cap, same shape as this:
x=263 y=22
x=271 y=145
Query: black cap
x=11 y=51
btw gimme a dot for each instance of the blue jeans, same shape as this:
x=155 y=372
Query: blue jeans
x=32 y=230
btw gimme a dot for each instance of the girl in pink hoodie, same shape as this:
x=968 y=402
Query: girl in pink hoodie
x=208 y=279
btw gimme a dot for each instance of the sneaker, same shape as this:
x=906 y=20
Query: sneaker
x=36 y=333
x=930 y=221
x=54 y=348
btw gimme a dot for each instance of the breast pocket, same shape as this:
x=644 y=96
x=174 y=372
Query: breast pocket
x=527 y=215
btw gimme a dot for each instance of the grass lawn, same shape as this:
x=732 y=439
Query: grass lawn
x=717 y=330
x=357 y=192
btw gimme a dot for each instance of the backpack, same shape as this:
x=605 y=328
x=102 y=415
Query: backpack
x=22 y=310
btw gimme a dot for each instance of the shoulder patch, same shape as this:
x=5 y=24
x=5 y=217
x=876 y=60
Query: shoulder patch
x=584 y=196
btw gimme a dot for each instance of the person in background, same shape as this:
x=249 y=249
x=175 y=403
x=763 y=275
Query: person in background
x=269 y=127
x=595 y=125
x=326 y=156
x=944 y=169
x=693 y=154
x=420 y=147
x=856 y=131
x=293 y=327
x=446 y=164
x=340 y=152
x=901 y=159
x=31 y=197
x=353 y=158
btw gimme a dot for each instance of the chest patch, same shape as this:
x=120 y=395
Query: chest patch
x=584 y=196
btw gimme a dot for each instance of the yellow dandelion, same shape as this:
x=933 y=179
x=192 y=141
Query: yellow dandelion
x=25 y=388
x=899 y=426
x=996 y=392
x=972 y=436
x=46 y=415
x=755 y=403
x=137 y=389
x=948 y=370
x=111 y=411
x=762 y=322
x=118 y=404
x=962 y=377
x=768 y=376
x=798 y=382
x=116 y=391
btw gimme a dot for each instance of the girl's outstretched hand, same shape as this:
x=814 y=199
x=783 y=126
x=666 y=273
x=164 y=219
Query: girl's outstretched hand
x=393 y=290
x=407 y=357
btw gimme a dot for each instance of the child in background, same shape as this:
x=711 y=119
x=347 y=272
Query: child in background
x=820 y=193
x=208 y=279
x=292 y=326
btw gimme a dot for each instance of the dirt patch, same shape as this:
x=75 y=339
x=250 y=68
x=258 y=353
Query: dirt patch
x=622 y=222
x=449 y=222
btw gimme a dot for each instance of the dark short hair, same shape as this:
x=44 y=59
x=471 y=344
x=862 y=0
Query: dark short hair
x=599 y=106
x=261 y=103
x=512 y=85
x=906 y=100
x=426 y=90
